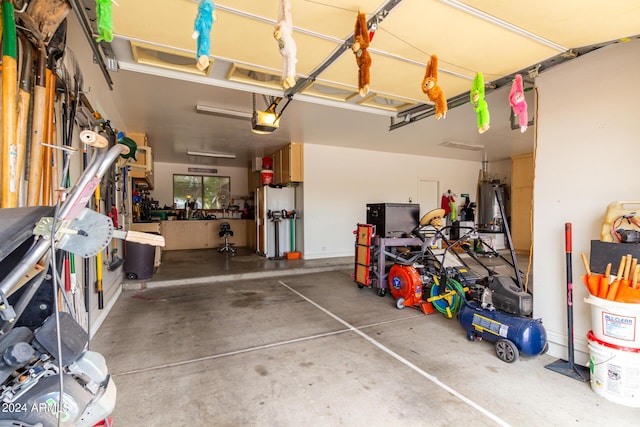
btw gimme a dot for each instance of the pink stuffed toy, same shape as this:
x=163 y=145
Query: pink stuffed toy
x=518 y=103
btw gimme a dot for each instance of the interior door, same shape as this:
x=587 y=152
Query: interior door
x=522 y=174
x=428 y=191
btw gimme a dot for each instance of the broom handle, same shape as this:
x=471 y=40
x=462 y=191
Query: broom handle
x=8 y=152
x=568 y=238
x=37 y=131
x=24 y=101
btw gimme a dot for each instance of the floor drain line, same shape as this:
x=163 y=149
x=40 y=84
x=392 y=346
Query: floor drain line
x=248 y=350
x=231 y=353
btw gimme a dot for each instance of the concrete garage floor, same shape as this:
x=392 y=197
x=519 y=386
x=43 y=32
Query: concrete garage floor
x=313 y=349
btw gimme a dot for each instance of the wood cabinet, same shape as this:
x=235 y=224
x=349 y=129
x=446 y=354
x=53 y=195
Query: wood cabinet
x=203 y=234
x=522 y=169
x=253 y=180
x=142 y=167
x=288 y=164
x=252 y=235
x=277 y=167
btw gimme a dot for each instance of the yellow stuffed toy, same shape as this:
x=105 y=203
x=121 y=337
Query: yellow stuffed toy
x=431 y=88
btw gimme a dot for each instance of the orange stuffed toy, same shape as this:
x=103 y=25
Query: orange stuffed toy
x=431 y=88
x=363 y=59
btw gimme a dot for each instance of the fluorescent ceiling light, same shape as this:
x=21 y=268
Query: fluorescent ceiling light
x=222 y=112
x=211 y=154
x=504 y=24
x=462 y=145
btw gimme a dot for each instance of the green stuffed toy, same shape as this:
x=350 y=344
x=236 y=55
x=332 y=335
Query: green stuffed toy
x=105 y=21
x=479 y=104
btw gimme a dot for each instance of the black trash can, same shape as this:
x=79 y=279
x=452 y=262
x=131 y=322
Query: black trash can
x=139 y=260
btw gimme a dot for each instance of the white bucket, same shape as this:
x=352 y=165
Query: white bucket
x=266 y=176
x=615 y=372
x=615 y=322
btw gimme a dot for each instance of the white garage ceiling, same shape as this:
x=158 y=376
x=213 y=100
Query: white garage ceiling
x=497 y=38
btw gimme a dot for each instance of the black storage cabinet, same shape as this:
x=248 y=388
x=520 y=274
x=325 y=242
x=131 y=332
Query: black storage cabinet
x=393 y=219
x=138 y=260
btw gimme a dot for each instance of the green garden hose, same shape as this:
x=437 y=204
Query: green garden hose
x=450 y=301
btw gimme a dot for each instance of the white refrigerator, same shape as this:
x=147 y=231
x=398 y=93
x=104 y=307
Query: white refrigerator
x=273 y=199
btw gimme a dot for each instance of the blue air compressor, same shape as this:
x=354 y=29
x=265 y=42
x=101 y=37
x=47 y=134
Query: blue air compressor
x=497 y=312
x=512 y=335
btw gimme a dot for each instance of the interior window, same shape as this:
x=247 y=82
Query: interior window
x=208 y=192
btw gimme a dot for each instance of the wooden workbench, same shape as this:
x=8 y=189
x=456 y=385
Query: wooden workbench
x=203 y=234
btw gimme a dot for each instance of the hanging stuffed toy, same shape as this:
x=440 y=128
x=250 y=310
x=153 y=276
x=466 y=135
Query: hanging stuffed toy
x=359 y=48
x=202 y=26
x=479 y=104
x=518 y=103
x=431 y=88
x=453 y=207
x=445 y=204
x=105 y=21
x=283 y=33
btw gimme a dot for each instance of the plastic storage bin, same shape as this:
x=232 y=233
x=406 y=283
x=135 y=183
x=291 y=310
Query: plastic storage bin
x=616 y=323
x=139 y=260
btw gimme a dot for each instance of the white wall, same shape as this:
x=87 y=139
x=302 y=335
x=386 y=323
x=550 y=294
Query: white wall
x=100 y=96
x=339 y=182
x=500 y=170
x=586 y=157
x=163 y=179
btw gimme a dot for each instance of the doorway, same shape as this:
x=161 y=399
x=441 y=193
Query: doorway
x=428 y=191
